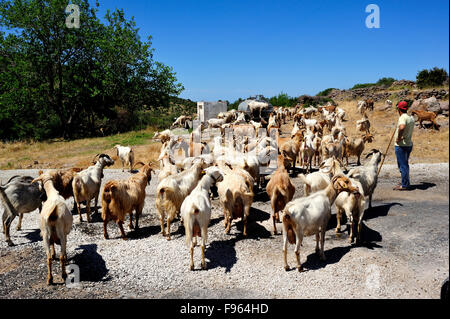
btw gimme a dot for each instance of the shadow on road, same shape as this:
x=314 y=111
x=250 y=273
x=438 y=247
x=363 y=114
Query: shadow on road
x=333 y=256
x=377 y=211
x=422 y=186
x=91 y=263
x=144 y=232
x=221 y=253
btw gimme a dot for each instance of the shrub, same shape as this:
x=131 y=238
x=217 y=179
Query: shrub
x=325 y=92
x=430 y=78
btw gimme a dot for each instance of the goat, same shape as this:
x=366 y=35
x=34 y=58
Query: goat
x=86 y=184
x=126 y=155
x=426 y=116
x=163 y=136
x=19 y=196
x=356 y=147
x=317 y=181
x=120 y=198
x=291 y=148
x=308 y=216
x=352 y=204
x=196 y=212
x=55 y=224
x=280 y=190
x=367 y=175
x=236 y=197
x=363 y=125
x=171 y=192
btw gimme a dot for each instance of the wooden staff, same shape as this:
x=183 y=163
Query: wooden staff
x=387 y=149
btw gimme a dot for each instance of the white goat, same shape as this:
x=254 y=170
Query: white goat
x=126 y=155
x=196 y=212
x=171 y=192
x=86 y=184
x=367 y=174
x=55 y=224
x=352 y=204
x=308 y=216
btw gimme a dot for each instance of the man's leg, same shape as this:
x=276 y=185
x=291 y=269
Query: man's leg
x=402 y=162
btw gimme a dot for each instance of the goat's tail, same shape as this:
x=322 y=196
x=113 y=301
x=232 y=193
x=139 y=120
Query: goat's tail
x=278 y=198
x=289 y=225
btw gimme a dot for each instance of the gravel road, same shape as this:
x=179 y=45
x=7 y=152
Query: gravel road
x=405 y=253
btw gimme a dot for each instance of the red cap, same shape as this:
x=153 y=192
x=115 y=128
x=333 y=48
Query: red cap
x=402 y=105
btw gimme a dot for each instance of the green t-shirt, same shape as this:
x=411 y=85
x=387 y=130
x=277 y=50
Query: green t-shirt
x=408 y=121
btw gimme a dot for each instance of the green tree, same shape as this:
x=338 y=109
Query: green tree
x=432 y=77
x=60 y=81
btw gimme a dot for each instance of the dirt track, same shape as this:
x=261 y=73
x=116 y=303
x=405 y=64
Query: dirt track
x=405 y=252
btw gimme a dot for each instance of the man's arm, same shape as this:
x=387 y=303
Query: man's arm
x=401 y=129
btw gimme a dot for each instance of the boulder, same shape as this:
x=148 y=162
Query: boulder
x=418 y=105
x=432 y=105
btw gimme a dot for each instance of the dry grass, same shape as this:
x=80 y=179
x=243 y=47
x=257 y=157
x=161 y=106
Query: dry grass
x=79 y=153
x=430 y=146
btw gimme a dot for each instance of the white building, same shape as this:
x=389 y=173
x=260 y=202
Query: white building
x=209 y=110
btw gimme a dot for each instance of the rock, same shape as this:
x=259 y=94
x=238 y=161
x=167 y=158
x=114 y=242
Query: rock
x=432 y=105
x=418 y=105
x=444 y=106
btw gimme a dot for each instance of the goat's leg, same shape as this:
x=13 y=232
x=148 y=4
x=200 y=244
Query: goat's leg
x=352 y=226
x=52 y=249
x=161 y=222
x=317 y=242
x=19 y=225
x=170 y=217
x=274 y=218
x=203 y=245
x=122 y=232
x=370 y=201
x=49 y=259
x=358 y=235
x=131 y=221
x=322 y=242
x=338 y=219
x=88 y=210
x=63 y=255
x=191 y=265
x=7 y=226
x=105 y=227
x=227 y=222
x=297 y=250
x=79 y=209
x=285 y=244
x=245 y=217
x=96 y=203
x=138 y=214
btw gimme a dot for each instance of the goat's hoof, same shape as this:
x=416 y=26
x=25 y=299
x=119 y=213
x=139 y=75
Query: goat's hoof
x=300 y=268
x=125 y=238
x=50 y=281
x=275 y=233
x=19 y=228
x=350 y=240
x=64 y=276
x=191 y=268
x=204 y=267
x=106 y=237
x=54 y=257
x=168 y=238
x=338 y=230
x=287 y=268
x=10 y=243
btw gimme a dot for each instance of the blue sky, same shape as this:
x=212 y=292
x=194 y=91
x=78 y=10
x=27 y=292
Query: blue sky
x=232 y=49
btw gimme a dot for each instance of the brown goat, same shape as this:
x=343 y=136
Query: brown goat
x=280 y=190
x=426 y=116
x=122 y=197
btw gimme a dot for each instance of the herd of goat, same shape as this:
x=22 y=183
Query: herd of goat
x=231 y=163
